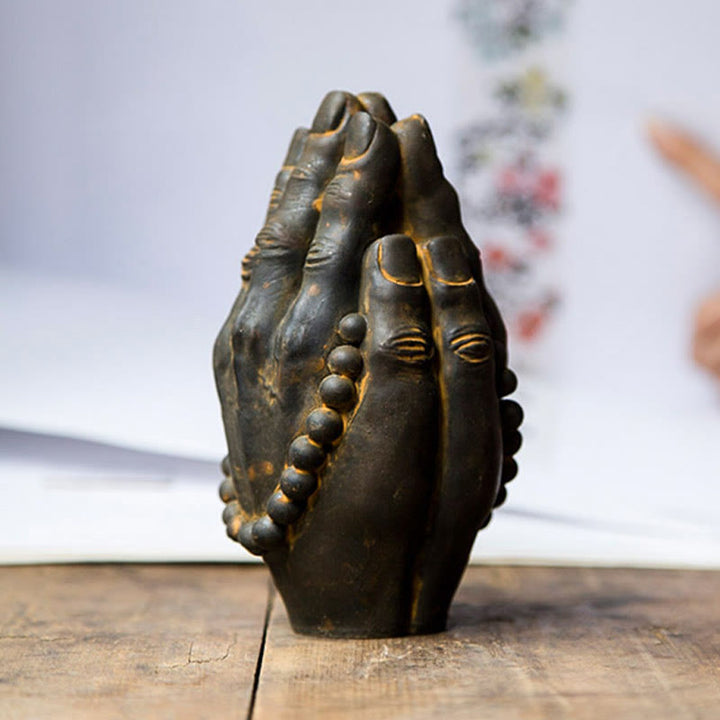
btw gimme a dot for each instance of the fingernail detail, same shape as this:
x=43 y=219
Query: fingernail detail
x=448 y=262
x=376 y=104
x=307 y=453
x=398 y=261
x=360 y=132
x=330 y=113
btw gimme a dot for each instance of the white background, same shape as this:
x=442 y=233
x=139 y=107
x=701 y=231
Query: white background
x=139 y=144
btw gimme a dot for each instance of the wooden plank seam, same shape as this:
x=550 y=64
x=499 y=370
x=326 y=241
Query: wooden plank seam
x=261 y=650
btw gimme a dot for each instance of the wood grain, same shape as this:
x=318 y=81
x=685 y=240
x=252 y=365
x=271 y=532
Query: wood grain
x=524 y=643
x=129 y=641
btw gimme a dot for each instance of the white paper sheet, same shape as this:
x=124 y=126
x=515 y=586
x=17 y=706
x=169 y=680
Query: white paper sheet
x=622 y=452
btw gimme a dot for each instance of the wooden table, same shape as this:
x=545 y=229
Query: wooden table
x=212 y=641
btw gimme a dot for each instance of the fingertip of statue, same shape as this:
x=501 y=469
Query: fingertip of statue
x=331 y=112
x=378 y=106
x=420 y=121
x=414 y=126
x=360 y=133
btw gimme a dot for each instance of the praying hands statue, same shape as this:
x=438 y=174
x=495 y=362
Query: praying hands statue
x=360 y=373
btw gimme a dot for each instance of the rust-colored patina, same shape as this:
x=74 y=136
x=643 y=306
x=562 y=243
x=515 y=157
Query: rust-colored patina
x=360 y=373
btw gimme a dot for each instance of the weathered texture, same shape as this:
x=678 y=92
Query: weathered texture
x=523 y=643
x=360 y=372
x=129 y=641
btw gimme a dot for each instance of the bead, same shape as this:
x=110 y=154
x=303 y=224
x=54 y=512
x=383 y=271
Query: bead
x=352 y=328
x=485 y=522
x=267 y=534
x=510 y=469
x=227 y=490
x=305 y=455
x=245 y=538
x=501 y=496
x=231 y=510
x=232 y=527
x=511 y=442
x=509 y=382
x=345 y=360
x=511 y=414
x=283 y=510
x=324 y=426
x=296 y=485
x=500 y=352
x=225 y=466
x=338 y=392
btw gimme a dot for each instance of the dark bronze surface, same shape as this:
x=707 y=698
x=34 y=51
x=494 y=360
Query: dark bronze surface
x=360 y=373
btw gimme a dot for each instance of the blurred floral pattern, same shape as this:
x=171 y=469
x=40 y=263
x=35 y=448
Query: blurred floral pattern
x=510 y=155
x=498 y=28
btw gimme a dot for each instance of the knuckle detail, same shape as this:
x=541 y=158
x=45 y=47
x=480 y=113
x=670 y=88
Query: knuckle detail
x=274 y=202
x=410 y=345
x=303 y=174
x=471 y=345
x=294 y=345
x=248 y=262
x=273 y=236
x=319 y=255
x=340 y=191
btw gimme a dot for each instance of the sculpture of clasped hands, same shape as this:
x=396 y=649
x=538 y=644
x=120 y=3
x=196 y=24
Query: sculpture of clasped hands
x=359 y=373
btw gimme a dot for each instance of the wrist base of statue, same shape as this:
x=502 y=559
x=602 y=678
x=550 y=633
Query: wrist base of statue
x=349 y=611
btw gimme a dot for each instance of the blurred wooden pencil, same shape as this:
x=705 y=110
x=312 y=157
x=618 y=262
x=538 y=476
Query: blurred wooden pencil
x=688 y=154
